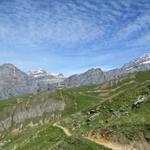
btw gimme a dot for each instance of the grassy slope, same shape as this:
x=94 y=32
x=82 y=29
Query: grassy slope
x=45 y=137
x=78 y=100
x=116 y=116
x=114 y=99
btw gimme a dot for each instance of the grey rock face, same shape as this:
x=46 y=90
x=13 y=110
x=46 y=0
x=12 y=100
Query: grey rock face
x=95 y=76
x=14 y=82
x=109 y=75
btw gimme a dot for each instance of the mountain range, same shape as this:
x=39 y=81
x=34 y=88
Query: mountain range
x=15 y=82
x=97 y=76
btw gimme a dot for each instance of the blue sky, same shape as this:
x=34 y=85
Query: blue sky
x=71 y=36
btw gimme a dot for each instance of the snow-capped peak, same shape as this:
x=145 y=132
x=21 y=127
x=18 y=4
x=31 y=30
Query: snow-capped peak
x=38 y=73
x=145 y=56
x=57 y=75
x=40 y=70
x=42 y=73
x=143 y=60
x=54 y=74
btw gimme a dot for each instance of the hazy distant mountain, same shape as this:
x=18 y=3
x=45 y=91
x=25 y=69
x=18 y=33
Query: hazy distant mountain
x=15 y=82
x=43 y=77
x=45 y=80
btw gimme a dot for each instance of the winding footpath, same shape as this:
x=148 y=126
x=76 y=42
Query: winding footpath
x=100 y=141
x=66 y=131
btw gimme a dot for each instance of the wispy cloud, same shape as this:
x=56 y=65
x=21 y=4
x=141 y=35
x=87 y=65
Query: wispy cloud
x=140 y=25
x=56 y=23
x=61 y=22
x=75 y=30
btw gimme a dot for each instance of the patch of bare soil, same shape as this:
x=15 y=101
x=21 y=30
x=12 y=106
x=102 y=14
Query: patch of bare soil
x=103 y=141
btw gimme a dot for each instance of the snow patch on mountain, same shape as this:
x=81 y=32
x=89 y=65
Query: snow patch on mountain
x=146 y=62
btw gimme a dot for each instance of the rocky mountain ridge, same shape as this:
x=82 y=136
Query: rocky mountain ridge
x=15 y=82
x=97 y=76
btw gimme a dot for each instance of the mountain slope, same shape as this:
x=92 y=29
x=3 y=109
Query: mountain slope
x=112 y=111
